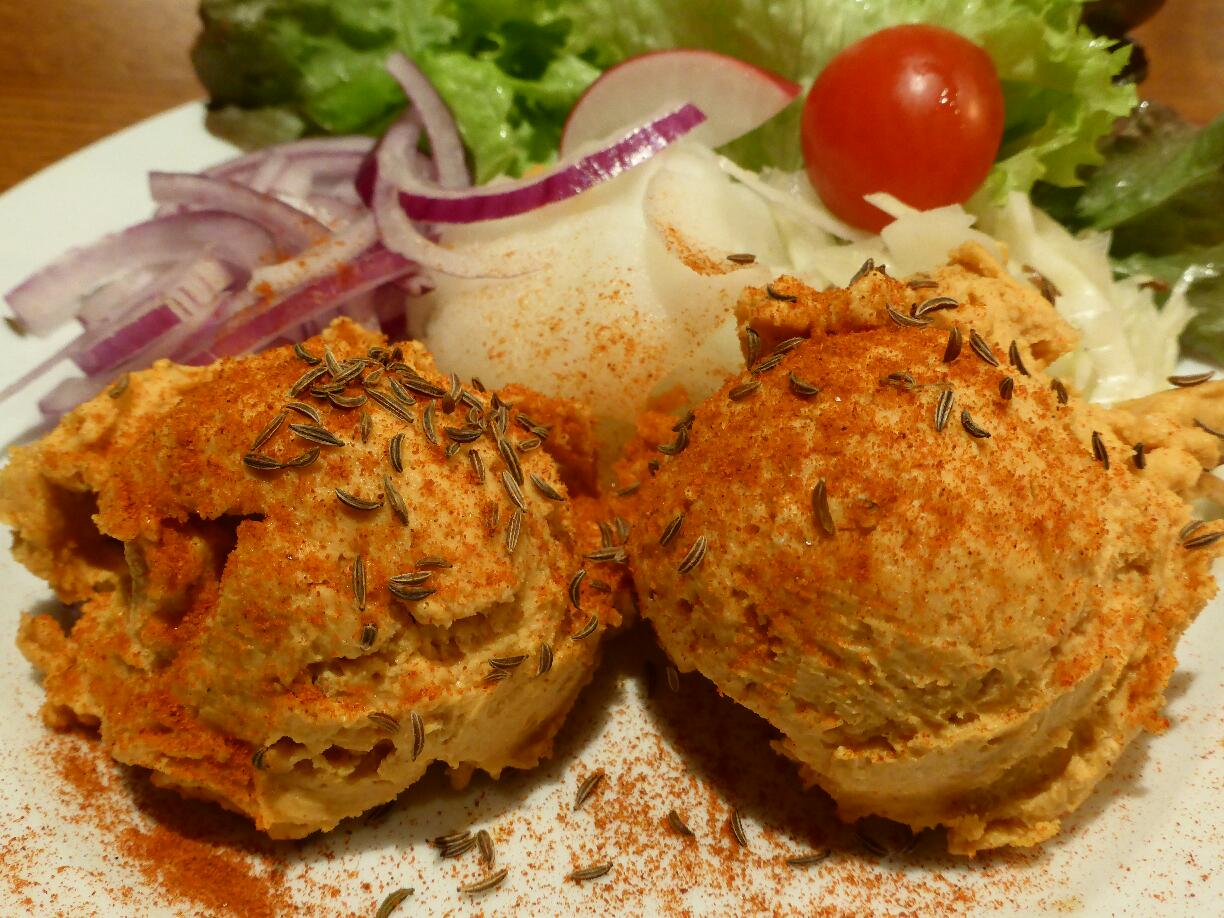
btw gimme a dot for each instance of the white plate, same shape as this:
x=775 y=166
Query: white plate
x=1150 y=840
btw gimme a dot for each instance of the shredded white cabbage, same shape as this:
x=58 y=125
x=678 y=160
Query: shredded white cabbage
x=1128 y=346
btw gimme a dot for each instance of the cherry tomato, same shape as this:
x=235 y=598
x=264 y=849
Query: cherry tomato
x=913 y=110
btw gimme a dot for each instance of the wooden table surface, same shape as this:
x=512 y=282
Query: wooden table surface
x=72 y=71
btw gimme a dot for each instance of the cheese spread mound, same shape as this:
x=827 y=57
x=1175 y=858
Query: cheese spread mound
x=302 y=577
x=952 y=586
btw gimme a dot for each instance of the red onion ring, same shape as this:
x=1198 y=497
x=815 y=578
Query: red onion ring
x=125 y=342
x=191 y=289
x=507 y=199
x=256 y=326
x=188 y=292
x=331 y=254
x=439 y=124
x=53 y=295
x=401 y=235
x=292 y=229
x=330 y=156
x=404 y=133
x=115 y=298
x=70 y=392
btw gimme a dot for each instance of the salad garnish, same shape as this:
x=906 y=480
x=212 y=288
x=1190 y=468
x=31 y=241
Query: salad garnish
x=270 y=246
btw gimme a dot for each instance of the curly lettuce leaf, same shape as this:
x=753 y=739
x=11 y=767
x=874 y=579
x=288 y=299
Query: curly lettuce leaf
x=1158 y=192
x=1171 y=179
x=512 y=69
x=508 y=69
x=1057 y=77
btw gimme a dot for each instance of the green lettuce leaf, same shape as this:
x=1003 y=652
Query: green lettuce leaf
x=512 y=69
x=1170 y=180
x=1057 y=77
x=508 y=69
x=1160 y=193
x=1164 y=200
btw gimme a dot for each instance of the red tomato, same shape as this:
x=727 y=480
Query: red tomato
x=913 y=110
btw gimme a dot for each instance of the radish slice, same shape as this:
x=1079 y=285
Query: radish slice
x=735 y=96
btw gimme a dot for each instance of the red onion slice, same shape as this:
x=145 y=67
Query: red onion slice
x=264 y=177
x=360 y=309
x=96 y=354
x=190 y=292
x=436 y=118
x=404 y=134
x=292 y=183
x=72 y=392
x=327 y=256
x=257 y=325
x=292 y=229
x=38 y=370
x=191 y=289
x=53 y=295
x=334 y=211
x=507 y=199
x=116 y=297
x=67 y=394
x=367 y=177
x=124 y=343
x=330 y=156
